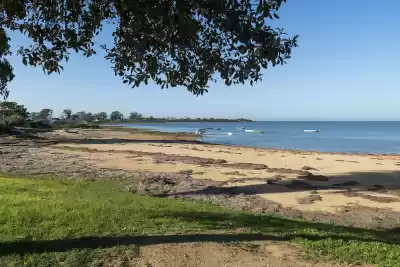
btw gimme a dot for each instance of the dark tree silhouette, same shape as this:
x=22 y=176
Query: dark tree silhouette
x=174 y=43
x=67 y=113
x=135 y=116
x=101 y=116
x=116 y=115
x=45 y=113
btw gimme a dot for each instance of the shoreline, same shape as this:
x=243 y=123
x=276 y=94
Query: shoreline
x=264 y=149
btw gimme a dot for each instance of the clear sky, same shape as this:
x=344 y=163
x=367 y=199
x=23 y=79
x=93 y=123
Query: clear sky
x=346 y=68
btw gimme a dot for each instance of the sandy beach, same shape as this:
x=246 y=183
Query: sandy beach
x=308 y=181
x=310 y=185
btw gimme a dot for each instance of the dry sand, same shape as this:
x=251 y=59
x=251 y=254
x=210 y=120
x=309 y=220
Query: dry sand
x=305 y=181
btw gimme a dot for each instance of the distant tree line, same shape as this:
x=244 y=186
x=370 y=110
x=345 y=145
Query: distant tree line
x=116 y=115
x=13 y=114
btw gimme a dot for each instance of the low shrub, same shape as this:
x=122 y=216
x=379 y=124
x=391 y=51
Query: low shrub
x=8 y=122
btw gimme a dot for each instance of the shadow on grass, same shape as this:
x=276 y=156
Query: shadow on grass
x=250 y=227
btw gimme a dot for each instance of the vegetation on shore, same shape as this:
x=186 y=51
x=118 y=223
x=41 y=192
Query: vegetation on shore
x=117 y=116
x=92 y=223
x=12 y=114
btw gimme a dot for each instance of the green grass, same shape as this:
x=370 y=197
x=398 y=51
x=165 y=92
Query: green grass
x=69 y=223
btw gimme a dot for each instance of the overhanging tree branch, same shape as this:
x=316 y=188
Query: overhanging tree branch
x=172 y=42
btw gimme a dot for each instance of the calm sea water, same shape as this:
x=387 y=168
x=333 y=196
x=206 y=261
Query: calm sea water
x=354 y=137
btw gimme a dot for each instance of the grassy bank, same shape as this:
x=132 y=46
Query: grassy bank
x=69 y=223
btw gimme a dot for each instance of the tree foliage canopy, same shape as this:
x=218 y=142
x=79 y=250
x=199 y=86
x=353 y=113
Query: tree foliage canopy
x=11 y=114
x=12 y=108
x=172 y=42
x=101 y=116
x=67 y=113
x=83 y=115
x=45 y=114
x=135 y=116
x=116 y=115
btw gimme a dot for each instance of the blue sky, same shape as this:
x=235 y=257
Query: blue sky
x=346 y=68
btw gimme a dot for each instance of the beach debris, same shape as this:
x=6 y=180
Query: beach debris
x=249 y=166
x=343 y=209
x=284 y=170
x=71 y=131
x=234 y=173
x=188 y=172
x=379 y=199
x=310 y=199
x=278 y=177
x=186 y=159
x=308 y=168
x=245 y=179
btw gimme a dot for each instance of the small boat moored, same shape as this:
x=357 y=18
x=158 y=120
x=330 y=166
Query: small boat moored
x=253 y=131
x=311 y=131
x=200 y=131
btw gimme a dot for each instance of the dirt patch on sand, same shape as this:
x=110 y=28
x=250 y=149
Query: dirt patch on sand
x=166 y=158
x=184 y=159
x=309 y=199
x=288 y=171
x=247 y=166
x=234 y=173
x=379 y=199
x=308 y=168
x=158 y=157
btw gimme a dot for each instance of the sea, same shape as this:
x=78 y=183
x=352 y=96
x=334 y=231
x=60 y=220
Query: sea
x=349 y=137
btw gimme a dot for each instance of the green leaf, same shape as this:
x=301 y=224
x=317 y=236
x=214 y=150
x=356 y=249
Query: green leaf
x=242 y=49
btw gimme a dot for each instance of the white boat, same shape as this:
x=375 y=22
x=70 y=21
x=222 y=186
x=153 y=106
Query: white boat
x=253 y=131
x=229 y=134
x=311 y=131
x=200 y=131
